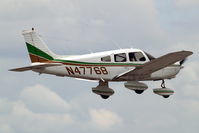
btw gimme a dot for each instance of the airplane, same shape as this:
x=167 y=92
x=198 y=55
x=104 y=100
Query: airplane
x=124 y=65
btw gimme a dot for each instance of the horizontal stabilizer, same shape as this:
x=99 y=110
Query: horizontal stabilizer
x=35 y=66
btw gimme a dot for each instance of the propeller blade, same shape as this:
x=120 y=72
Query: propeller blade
x=183 y=61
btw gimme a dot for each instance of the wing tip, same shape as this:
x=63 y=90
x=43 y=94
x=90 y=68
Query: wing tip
x=188 y=52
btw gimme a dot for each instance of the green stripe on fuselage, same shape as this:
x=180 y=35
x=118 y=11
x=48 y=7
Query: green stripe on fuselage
x=92 y=63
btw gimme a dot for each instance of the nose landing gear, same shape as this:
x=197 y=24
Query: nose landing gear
x=165 y=92
x=163 y=84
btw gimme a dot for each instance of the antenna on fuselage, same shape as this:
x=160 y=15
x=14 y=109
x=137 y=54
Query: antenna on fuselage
x=90 y=51
x=130 y=44
x=116 y=44
x=132 y=47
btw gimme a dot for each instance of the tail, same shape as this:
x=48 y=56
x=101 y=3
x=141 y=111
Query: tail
x=38 y=50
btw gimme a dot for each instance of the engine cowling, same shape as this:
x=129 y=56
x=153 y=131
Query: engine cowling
x=165 y=92
x=138 y=87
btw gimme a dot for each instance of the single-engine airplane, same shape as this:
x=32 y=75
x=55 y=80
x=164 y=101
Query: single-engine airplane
x=126 y=65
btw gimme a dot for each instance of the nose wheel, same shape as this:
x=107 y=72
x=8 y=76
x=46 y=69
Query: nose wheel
x=164 y=92
x=104 y=96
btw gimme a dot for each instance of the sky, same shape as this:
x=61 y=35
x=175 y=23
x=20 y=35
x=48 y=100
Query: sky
x=32 y=103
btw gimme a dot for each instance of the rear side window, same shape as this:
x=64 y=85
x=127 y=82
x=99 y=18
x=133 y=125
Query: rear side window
x=106 y=59
x=120 y=57
x=136 y=56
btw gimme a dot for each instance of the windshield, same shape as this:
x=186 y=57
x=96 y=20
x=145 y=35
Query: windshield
x=149 y=56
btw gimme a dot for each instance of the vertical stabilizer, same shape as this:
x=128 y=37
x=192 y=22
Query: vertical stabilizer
x=38 y=50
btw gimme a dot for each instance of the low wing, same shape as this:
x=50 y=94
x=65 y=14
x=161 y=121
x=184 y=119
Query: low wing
x=156 y=64
x=35 y=66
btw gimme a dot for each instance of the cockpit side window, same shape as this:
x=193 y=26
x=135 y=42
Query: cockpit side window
x=106 y=59
x=136 y=56
x=120 y=57
x=132 y=57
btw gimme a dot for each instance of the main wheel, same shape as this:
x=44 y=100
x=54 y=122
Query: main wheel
x=166 y=96
x=139 y=91
x=104 y=96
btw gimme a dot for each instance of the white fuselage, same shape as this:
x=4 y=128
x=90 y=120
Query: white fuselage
x=106 y=66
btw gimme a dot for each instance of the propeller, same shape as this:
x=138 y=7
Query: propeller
x=183 y=61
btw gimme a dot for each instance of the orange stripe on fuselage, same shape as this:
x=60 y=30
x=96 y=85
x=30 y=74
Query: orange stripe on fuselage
x=35 y=58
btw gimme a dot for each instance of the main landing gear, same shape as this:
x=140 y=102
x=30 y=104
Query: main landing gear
x=165 y=92
x=103 y=90
x=138 y=87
